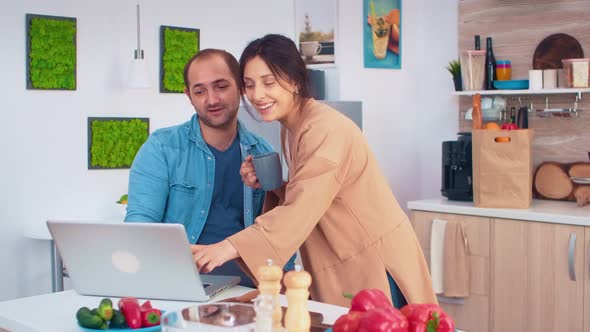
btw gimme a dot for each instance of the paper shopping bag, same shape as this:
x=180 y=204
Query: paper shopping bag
x=502 y=168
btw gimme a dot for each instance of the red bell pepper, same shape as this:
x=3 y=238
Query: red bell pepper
x=371 y=311
x=146 y=305
x=348 y=322
x=427 y=317
x=149 y=316
x=129 y=307
x=509 y=126
x=369 y=299
x=383 y=320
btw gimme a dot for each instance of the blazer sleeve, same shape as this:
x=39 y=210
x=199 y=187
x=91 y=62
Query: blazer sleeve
x=314 y=184
x=148 y=184
x=274 y=198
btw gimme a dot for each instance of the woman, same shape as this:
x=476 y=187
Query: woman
x=336 y=208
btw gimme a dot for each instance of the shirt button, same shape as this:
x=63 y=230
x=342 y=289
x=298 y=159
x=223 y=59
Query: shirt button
x=208 y=185
x=202 y=211
x=208 y=158
x=193 y=237
x=247 y=211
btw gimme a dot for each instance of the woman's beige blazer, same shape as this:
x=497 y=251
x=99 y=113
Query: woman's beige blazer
x=339 y=211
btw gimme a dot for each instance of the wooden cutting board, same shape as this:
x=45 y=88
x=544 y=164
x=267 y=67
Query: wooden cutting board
x=554 y=48
x=316 y=321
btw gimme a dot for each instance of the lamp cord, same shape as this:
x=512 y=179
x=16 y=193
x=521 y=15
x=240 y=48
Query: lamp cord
x=138 y=52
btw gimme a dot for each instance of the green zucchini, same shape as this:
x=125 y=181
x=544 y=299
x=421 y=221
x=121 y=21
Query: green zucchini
x=87 y=319
x=118 y=321
x=105 y=309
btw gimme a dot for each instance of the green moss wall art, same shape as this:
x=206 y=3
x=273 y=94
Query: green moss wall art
x=51 y=52
x=177 y=46
x=113 y=142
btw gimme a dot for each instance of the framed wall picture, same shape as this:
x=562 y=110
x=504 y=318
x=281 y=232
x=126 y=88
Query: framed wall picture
x=114 y=142
x=315 y=29
x=51 y=52
x=382 y=31
x=177 y=46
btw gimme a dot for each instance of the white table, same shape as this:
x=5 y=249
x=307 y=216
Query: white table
x=56 y=312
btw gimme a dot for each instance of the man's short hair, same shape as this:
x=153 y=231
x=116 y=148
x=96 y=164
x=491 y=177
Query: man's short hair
x=229 y=59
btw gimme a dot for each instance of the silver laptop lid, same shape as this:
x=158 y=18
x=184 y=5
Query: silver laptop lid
x=144 y=260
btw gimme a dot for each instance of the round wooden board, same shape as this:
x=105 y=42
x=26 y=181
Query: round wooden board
x=554 y=48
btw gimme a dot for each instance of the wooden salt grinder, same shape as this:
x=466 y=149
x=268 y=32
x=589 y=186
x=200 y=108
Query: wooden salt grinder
x=269 y=277
x=297 y=318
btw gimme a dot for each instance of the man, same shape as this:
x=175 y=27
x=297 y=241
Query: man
x=190 y=173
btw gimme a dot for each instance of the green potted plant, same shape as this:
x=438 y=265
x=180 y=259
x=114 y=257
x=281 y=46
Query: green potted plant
x=122 y=205
x=454 y=67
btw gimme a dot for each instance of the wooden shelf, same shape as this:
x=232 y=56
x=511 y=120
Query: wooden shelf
x=579 y=91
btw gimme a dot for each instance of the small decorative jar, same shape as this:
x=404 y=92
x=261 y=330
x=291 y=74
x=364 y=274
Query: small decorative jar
x=503 y=70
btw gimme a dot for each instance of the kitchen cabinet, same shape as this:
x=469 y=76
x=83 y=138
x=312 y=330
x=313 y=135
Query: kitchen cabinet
x=530 y=268
x=586 y=267
x=473 y=313
x=532 y=286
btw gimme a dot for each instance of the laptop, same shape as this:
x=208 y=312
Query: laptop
x=143 y=260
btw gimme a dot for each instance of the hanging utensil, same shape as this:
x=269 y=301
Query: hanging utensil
x=522 y=119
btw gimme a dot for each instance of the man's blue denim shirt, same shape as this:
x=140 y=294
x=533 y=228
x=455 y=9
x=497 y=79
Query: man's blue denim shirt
x=171 y=179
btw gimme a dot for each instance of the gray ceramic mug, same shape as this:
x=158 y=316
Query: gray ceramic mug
x=268 y=170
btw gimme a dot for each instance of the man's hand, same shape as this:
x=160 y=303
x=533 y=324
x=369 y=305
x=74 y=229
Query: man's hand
x=208 y=257
x=249 y=174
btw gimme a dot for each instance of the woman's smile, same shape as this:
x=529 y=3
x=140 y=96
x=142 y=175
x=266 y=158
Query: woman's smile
x=265 y=108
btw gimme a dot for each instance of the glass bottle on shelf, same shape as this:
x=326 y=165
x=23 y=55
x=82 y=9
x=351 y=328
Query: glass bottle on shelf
x=490 y=65
x=477 y=43
x=504 y=116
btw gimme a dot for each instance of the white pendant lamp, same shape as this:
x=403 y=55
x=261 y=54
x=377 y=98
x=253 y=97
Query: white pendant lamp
x=139 y=74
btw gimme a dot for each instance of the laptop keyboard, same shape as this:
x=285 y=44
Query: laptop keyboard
x=215 y=292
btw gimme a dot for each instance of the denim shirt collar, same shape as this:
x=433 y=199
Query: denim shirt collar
x=193 y=132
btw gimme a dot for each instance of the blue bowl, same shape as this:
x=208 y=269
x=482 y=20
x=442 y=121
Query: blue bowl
x=156 y=328
x=512 y=85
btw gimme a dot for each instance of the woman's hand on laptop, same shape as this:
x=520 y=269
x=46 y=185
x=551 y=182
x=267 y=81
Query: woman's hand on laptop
x=208 y=257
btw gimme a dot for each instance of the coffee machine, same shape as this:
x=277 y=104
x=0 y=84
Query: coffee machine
x=457 y=179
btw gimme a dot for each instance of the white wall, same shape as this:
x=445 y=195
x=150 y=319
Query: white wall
x=43 y=133
x=44 y=172
x=407 y=112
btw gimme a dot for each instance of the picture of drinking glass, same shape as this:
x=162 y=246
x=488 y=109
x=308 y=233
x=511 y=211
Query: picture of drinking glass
x=380 y=31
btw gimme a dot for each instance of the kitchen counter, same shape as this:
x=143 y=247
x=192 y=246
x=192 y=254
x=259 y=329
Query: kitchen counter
x=559 y=212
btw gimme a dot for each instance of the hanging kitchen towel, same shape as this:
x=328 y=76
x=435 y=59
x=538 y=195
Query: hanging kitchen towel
x=437 y=237
x=455 y=261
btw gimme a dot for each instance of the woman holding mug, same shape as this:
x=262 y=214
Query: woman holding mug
x=337 y=207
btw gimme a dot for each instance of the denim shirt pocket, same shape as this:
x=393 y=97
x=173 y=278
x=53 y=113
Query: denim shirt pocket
x=182 y=186
x=181 y=203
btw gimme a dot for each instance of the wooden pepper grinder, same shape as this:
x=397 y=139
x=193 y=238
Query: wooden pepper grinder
x=297 y=318
x=269 y=277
